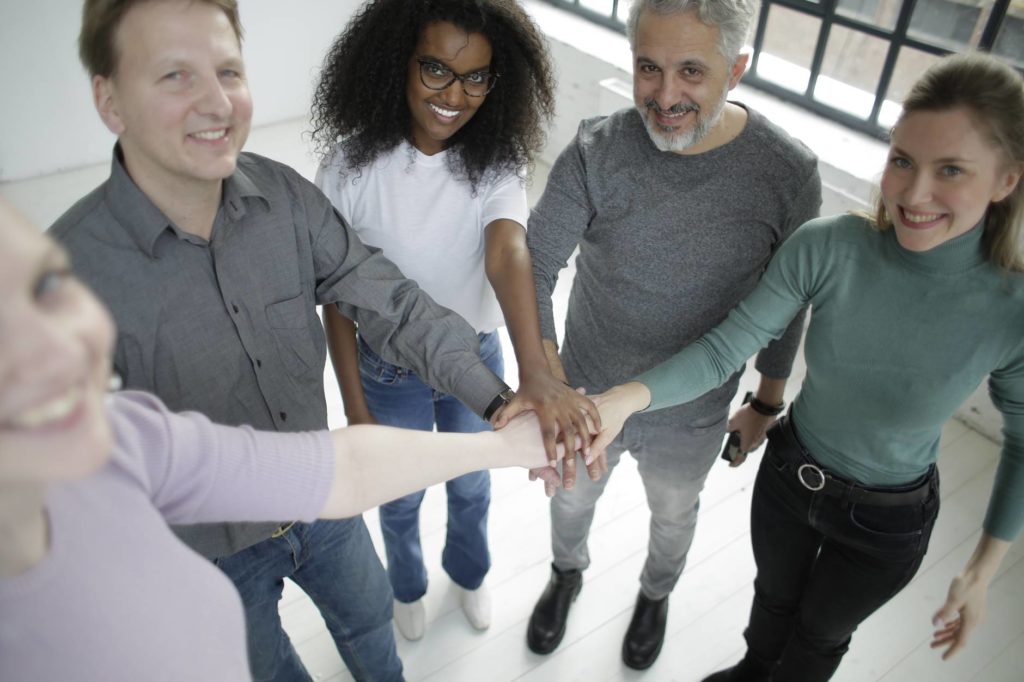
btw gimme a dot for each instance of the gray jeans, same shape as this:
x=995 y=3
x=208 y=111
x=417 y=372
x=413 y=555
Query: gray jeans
x=674 y=460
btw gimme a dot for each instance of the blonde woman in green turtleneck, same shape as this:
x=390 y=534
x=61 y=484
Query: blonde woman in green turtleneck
x=911 y=310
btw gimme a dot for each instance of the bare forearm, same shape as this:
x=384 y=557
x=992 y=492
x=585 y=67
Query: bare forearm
x=511 y=277
x=987 y=557
x=376 y=464
x=554 y=362
x=771 y=391
x=344 y=352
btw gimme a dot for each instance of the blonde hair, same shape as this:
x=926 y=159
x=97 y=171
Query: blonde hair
x=97 y=47
x=993 y=95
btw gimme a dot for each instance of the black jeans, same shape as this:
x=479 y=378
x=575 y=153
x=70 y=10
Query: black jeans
x=824 y=564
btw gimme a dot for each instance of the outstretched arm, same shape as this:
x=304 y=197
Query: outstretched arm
x=377 y=464
x=561 y=411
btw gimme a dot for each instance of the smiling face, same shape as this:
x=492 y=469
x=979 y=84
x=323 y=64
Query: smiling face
x=438 y=114
x=680 y=79
x=941 y=176
x=55 y=349
x=178 y=102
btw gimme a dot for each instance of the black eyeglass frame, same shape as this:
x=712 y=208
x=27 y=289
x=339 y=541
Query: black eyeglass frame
x=493 y=78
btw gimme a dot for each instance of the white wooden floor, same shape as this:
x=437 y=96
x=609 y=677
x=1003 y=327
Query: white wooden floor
x=709 y=607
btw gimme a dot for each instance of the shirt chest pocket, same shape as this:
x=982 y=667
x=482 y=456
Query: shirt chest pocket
x=292 y=331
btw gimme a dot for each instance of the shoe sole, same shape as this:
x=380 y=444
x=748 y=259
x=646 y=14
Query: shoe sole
x=645 y=666
x=543 y=651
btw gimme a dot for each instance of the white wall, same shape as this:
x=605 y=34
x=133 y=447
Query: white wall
x=47 y=116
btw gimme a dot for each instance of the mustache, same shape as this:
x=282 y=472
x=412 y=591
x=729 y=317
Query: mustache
x=677 y=108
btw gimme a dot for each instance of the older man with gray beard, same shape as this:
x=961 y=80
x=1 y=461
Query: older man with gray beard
x=676 y=206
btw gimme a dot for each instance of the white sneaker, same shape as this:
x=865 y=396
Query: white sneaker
x=411 y=619
x=476 y=604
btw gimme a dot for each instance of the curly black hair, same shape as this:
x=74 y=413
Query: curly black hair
x=360 y=101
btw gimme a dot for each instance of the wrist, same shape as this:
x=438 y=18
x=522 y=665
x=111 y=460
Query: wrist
x=636 y=396
x=766 y=408
x=499 y=401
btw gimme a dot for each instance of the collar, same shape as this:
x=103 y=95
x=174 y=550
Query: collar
x=144 y=222
x=956 y=255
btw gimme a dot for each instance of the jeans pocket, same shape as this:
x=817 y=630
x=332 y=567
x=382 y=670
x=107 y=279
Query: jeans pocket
x=374 y=368
x=888 y=531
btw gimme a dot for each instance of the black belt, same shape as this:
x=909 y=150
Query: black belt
x=786 y=445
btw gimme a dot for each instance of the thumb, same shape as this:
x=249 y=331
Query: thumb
x=949 y=612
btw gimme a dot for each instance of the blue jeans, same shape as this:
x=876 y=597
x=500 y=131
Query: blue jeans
x=397 y=397
x=824 y=564
x=334 y=562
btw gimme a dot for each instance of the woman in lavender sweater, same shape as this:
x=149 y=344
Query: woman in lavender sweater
x=93 y=584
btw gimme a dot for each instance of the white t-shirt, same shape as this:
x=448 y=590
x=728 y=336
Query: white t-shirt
x=428 y=223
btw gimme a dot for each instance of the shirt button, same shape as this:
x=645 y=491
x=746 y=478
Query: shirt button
x=234 y=307
x=259 y=363
x=284 y=416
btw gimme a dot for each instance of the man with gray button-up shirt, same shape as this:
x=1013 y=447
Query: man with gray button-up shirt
x=213 y=263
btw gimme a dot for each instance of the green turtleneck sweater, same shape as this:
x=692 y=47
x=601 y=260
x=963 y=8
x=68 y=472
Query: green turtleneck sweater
x=897 y=341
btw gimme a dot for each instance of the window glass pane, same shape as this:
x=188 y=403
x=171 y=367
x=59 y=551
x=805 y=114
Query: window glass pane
x=622 y=11
x=850 y=71
x=953 y=24
x=600 y=6
x=881 y=13
x=910 y=65
x=1009 y=43
x=788 y=48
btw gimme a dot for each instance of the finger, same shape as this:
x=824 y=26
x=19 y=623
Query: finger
x=738 y=460
x=507 y=413
x=598 y=468
x=588 y=406
x=600 y=443
x=958 y=644
x=732 y=425
x=582 y=434
x=569 y=469
x=549 y=434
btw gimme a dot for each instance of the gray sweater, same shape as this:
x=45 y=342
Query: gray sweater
x=669 y=244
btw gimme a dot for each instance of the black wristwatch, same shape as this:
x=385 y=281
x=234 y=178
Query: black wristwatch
x=764 y=408
x=500 y=400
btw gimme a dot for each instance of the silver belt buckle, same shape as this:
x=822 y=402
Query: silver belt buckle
x=818 y=477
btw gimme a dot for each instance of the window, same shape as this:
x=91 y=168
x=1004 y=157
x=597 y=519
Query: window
x=853 y=61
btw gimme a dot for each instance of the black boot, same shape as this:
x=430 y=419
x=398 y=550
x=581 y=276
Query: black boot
x=547 y=623
x=646 y=633
x=747 y=670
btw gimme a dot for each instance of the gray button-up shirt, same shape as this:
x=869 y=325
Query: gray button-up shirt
x=229 y=327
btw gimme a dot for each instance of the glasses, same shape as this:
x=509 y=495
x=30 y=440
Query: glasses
x=439 y=77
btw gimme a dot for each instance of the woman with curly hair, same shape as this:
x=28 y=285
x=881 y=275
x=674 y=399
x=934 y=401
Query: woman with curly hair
x=428 y=115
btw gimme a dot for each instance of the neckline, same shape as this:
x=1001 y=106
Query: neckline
x=955 y=255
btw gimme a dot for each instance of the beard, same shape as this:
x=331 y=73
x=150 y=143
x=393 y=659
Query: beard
x=670 y=140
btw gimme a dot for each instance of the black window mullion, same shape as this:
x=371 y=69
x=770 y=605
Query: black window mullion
x=994 y=23
x=762 y=25
x=819 y=48
x=899 y=38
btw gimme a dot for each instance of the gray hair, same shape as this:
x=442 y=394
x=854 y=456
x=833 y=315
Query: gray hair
x=732 y=18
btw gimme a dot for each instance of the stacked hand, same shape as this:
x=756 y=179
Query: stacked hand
x=606 y=421
x=565 y=416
